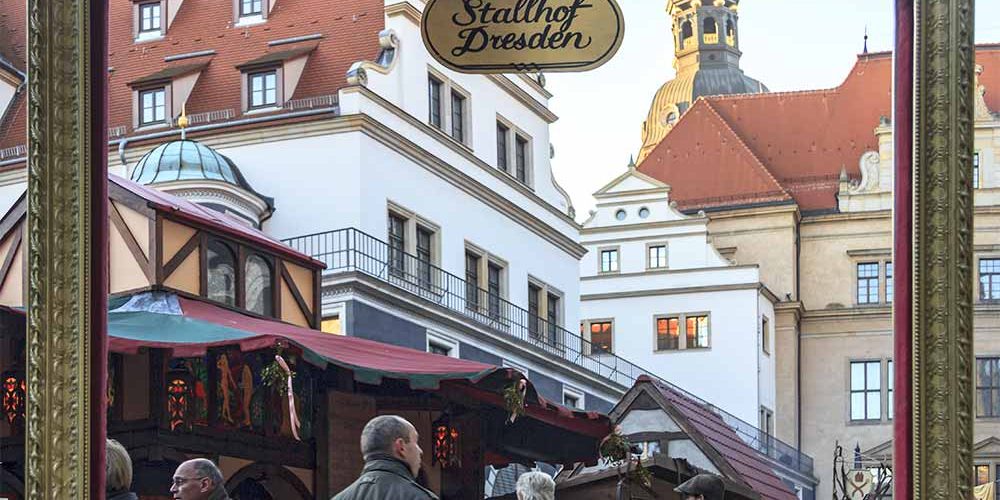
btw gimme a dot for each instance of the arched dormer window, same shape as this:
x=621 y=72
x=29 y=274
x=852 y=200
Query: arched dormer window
x=258 y=286
x=221 y=272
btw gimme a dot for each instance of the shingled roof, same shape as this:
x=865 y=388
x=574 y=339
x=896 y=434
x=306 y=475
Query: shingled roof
x=802 y=139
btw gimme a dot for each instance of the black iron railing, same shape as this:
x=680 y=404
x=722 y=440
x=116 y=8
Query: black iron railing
x=353 y=250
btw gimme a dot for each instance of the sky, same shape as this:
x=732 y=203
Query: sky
x=786 y=44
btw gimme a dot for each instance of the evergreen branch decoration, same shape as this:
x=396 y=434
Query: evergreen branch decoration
x=513 y=398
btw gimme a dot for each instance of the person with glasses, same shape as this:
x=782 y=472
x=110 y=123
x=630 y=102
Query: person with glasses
x=198 y=479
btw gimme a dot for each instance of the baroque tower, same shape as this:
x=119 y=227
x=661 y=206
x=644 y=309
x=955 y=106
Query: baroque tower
x=707 y=60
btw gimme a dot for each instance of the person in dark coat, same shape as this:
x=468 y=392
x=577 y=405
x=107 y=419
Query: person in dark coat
x=704 y=486
x=392 y=463
x=199 y=479
x=118 y=466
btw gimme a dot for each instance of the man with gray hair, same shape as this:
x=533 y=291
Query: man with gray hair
x=198 y=479
x=535 y=486
x=392 y=462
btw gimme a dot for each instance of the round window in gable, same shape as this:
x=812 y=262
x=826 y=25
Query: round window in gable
x=620 y=214
x=643 y=213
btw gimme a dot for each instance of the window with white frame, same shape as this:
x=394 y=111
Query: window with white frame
x=889 y=287
x=153 y=106
x=678 y=332
x=599 y=335
x=410 y=235
x=766 y=423
x=251 y=8
x=503 y=153
x=458 y=116
x=609 y=260
x=866 y=390
x=333 y=319
x=441 y=345
x=868 y=283
x=988 y=387
x=765 y=335
x=514 y=152
x=573 y=398
x=657 y=256
x=150 y=18
x=435 y=105
x=975 y=170
x=486 y=283
x=521 y=158
x=263 y=89
x=989 y=279
x=890 y=383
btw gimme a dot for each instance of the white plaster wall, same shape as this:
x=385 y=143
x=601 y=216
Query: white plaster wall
x=7 y=90
x=724 y=375
x=686 y=251
x=735 y=275
x=766 y=362
x=9 y=194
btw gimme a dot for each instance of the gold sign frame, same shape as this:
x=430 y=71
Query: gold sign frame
x=509 y=36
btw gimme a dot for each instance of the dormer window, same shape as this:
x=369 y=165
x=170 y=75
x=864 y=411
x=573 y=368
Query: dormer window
x=258 y=280
x=251 y=11
x=153 y=104
x=250 y=7
x=149 y=17
x=263 y=89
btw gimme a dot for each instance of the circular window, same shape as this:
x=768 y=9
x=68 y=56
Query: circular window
x=643 y=212
x=620 y=214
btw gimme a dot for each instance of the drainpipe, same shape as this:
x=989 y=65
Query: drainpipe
x=798 y=340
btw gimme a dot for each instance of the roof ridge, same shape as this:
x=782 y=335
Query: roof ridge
x=735 y=97
x=743 y=143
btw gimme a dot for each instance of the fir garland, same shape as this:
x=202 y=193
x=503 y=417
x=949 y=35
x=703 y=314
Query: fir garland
x=274 y=376
x=513 y=398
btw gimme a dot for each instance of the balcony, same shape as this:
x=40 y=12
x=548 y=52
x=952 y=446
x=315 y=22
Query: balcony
x=711 y=38
x=351 y=250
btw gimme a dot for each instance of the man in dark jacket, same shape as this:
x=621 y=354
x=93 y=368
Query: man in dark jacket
x=392 y=461
x=198 y=479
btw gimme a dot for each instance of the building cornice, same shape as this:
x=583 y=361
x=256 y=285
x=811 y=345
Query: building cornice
x=694 y=221
x=670 y=291
x=650 y=237
x=523 y=97
x=662 y=272
x=405 y=9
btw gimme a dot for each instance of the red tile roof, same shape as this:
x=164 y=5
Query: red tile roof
x=349 y=30
x=753 y=468
x=803 y=139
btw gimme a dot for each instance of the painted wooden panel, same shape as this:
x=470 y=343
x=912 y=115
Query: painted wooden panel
x=303 y=279
x=12 y=288
x=126 y=272
x=174 y=237
x=187 y=276
x=138 y=224
x=290 y=310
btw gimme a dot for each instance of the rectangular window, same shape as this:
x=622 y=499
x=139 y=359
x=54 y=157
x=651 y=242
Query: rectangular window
x=154 y=107
x=534 y=299
x=458 y=116
x=552 y=316
x=472 y=280
x=397 y=245
x=609 y=261
x=765 y=335
x=868 y=283
x=424 y=256
x=697 y=332
x=441 y=345
x=975 y=170
x=494 y=274
x=890 y=383
x=263 y=89
x=982 y=474
x=571 y=401
x=149 y=17
x=601 y=337
x=866 y=390
x=251 y=7
x=988 y=387
x=435 y=348
x=888 y=283
x=766 y=421
x=668 y=334
x=502 y=159
x=434 y=98
x=657 y=257
x=521 y=158
x=989 y=279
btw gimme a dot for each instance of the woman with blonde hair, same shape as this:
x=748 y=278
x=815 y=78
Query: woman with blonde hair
x=119 y=470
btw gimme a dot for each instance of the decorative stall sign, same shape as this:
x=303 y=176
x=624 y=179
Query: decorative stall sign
x=503 y=36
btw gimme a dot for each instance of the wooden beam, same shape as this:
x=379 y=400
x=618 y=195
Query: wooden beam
x=8 y=260
x=292 y=287
x=130 y=241
x=181 y=255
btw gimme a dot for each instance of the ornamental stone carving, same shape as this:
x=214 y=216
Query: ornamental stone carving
x=869 y=182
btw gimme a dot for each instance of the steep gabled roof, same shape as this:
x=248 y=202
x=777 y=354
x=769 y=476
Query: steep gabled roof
x=711 y=164
x=803 y=139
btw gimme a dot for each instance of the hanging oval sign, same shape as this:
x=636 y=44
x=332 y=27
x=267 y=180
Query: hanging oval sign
x=504 y=36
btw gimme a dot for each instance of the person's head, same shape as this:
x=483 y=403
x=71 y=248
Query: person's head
x=702 y=487
x=535 y=486
x=392 y=435
x=196 y=480
x=118 y=466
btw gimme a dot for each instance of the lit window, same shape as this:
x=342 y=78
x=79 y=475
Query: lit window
x=866 y=390
x=696 y=329
x=989 y=279
x=988 y=387
x=609 y=261
x=601 y=337
x=868 y=283
x=434 y=98
x=258 y=291
x=251 y=7
x=221 y=273
x=982 y=474
x=668 y=334
x=458 y=116
x=331 y=325
x=657 y=257
x=149 y=17
x=154 y=108
x=263 y=89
